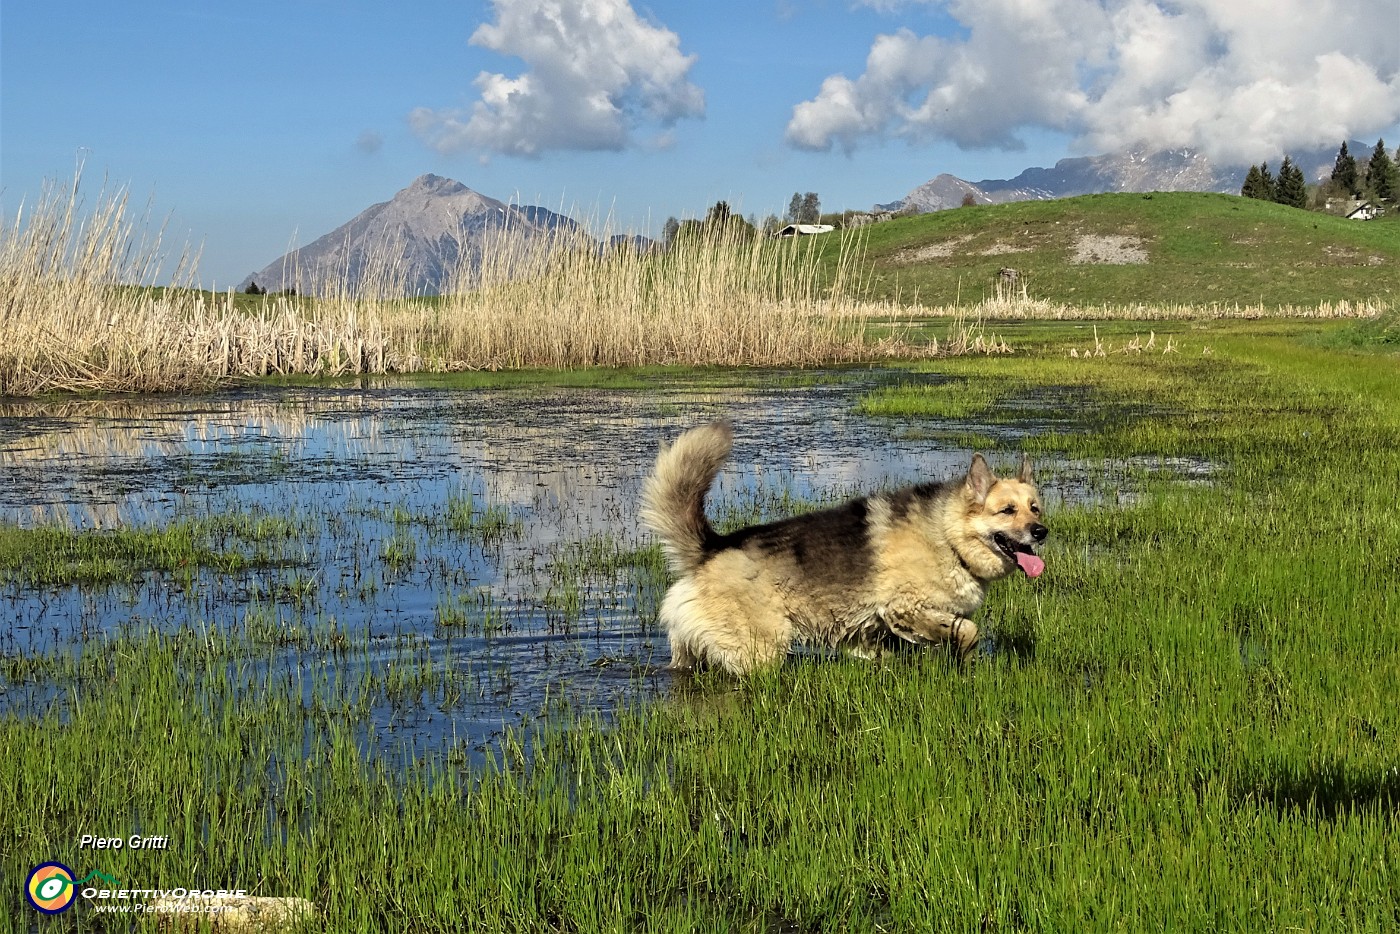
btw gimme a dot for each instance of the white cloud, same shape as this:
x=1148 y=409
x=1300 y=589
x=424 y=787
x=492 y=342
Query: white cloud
x=1239 y=79
x=594 y=71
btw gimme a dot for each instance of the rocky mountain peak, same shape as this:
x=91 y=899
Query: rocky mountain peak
x=1135 y=169
x=431 y=234
x=435 y=185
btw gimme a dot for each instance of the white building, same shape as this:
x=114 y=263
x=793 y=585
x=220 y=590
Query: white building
x=1362 y=211
x=804 y=230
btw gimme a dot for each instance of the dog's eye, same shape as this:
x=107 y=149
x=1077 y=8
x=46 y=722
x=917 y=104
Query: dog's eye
x=1010 y=510
x=1035 y=509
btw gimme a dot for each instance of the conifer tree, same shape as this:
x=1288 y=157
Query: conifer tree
x=1259 y=183
x=1292 y=187
x=1250 y=188
x=719 y=214
x=1298 y=188
x=1381 y=174
x=1344 y=173
x=1267 y=187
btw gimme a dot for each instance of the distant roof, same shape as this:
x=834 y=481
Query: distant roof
x=794 y=230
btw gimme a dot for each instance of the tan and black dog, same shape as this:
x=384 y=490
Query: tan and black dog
x=909 y=566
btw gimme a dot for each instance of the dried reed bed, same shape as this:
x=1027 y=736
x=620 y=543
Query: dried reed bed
x=74 y=315
x=724 y=297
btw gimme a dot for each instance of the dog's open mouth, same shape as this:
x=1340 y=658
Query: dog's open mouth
x=1024 y=555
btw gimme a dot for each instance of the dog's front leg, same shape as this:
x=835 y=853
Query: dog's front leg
x=928 y=626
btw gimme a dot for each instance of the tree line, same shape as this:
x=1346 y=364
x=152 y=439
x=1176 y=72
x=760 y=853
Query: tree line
x=804 y=208
x=1377 y=178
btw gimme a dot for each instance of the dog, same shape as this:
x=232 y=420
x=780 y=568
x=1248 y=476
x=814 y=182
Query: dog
x=908 y=567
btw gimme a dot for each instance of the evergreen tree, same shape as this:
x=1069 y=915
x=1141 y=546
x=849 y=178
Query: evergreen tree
x=1344 y=173
x=1250 y=180
x=1267 y=188
x=718 y=214
x=254 y=289
x=1292 y=187
x=1298 y=188
x=670 y=229
x=811 y=208
x=1382 y=176
x=1253 y=186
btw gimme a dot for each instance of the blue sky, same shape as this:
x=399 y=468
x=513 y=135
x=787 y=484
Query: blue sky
x=255 y=125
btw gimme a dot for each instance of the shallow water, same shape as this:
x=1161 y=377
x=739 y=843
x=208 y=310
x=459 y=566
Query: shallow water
x=366 y=475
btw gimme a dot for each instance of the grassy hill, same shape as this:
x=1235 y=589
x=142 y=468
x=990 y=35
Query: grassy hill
x=1184 y=248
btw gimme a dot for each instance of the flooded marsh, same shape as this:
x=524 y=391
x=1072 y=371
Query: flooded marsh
x=492 y=533
x=393 y=649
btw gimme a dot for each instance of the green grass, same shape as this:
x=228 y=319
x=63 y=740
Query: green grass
x=1381 y=333
x=1202 y=249
x=603 y=571
x=483 y=522
x=1189 y=723
x=54 y=555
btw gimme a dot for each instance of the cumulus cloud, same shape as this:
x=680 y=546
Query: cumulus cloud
x=594 y=72
x=1237 y=79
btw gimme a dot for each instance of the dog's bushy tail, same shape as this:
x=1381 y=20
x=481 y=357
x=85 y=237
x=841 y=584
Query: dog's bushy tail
x=673 y=497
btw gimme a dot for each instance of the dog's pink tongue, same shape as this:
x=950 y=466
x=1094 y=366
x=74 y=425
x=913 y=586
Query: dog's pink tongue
x=1029 y=563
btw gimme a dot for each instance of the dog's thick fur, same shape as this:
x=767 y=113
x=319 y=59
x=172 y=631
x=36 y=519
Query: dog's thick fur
x=909 y=566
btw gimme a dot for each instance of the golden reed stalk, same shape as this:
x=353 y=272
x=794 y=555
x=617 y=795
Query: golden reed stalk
x=77 y=313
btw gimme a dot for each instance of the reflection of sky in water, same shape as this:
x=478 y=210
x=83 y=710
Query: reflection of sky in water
x=566 y=463
x=123 y=462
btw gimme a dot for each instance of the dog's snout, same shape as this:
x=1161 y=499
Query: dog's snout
x=1038 y=532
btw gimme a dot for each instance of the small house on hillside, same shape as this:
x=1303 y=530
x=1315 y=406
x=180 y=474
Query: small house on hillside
x=804 y=230
x=1363 y=211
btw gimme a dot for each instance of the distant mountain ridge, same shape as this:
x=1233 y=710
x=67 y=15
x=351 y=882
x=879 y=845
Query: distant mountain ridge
x=1131 y=170
x=418 y=242
x=429 y=234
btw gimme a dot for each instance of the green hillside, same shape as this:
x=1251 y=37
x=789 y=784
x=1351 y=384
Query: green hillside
x=1161 y=248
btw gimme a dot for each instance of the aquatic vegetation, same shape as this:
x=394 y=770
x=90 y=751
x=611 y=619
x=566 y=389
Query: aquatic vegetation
x=53 y=554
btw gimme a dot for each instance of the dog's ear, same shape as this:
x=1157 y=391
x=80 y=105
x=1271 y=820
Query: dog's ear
x=1027 y=475
x=980 y=478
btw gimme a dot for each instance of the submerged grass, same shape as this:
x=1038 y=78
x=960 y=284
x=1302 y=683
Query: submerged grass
x=1187 y=723
x=59 y=555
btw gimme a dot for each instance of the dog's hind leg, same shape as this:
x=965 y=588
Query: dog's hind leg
x=681 y=656
x=740 y=660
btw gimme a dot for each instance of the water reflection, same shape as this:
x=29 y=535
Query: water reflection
x=368 y=474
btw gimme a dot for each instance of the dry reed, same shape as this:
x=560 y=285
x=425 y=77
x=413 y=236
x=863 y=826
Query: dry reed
x=76 y=313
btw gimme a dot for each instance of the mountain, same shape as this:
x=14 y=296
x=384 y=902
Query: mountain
x=419 y=242
x=945 y=191
x=1167 y=170
x=1131 y=170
